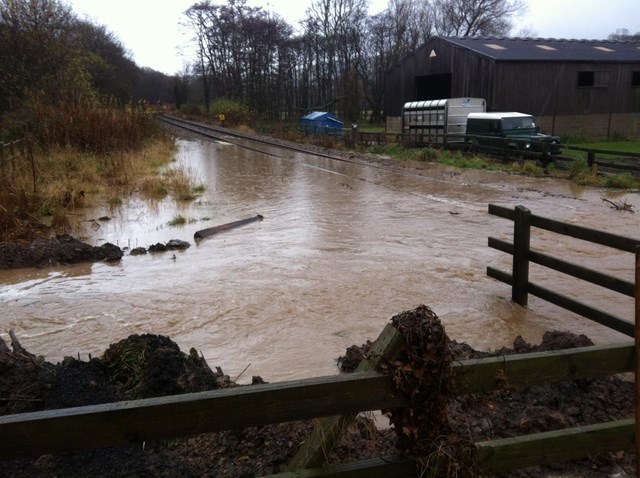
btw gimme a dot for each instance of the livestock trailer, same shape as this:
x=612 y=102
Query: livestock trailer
x=429 y=121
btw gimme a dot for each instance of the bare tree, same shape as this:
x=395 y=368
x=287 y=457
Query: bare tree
x=241 y=51
x=622 y=34
x=391 y=35
x=334 y=32
x=463 y=18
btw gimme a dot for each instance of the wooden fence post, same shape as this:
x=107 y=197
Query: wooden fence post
x=327 y=432
x=637 y=361
x=544 y=157
x=591 y=161
x=521 y=240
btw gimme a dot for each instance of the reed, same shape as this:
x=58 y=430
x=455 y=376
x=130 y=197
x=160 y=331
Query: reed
x=62 y=152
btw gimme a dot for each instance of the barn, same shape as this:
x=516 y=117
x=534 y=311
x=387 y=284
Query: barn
x=585 y=88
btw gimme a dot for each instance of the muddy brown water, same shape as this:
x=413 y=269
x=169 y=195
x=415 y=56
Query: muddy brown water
x=342 y=248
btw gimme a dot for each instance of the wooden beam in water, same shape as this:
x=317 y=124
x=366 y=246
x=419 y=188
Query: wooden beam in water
x=225 y=227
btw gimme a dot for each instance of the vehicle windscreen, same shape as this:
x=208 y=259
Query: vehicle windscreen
x=521 y=122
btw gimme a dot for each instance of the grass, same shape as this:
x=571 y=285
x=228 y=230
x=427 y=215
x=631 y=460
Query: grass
x=579 y=171
x=442 y=156
x=176 y=182
x=631 y=146
x=62 y=179
x=178 y=220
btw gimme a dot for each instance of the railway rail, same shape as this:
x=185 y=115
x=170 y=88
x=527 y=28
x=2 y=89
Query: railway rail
x=251 y=142
x=240 y=138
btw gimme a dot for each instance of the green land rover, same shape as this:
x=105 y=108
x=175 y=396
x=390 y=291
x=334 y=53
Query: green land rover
x=519 y=128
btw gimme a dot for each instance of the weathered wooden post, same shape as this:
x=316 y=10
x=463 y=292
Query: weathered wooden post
x=545 y=156
x=591 y=161
x=637 y=360
x=328 y=431
x=521 y=240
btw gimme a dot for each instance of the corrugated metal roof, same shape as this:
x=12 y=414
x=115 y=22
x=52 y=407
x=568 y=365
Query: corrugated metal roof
x=550 y=49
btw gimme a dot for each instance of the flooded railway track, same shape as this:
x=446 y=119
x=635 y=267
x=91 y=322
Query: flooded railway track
x=240 y=139
x=264 y=145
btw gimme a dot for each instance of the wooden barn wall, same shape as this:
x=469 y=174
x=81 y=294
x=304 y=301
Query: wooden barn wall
x=538 y=88
x=401 y=82
x=547 y=89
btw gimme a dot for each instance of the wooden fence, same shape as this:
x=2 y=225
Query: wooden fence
x=503 y=149
x=523 y=255
x=82 y=428
x=8 y=154
x=15 y=155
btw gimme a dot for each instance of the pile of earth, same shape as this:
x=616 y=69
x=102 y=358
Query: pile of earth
x=64 y=249
x=150 y=365
x=59 y=250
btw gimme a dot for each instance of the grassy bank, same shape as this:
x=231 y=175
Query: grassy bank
x=630 y=146
x=578 y=172
x=96 y=156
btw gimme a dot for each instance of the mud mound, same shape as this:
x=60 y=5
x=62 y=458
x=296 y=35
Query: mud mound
x=152 y=365
x=140 y=366
x=144 y=366
x=500 y=414
x=59 y=250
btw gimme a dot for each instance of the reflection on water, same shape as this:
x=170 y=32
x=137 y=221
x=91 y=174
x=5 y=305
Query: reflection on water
x=341 y=249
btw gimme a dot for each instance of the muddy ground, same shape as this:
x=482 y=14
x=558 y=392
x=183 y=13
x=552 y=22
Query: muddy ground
x=149 y=365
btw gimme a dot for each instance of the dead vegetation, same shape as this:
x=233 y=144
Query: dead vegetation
x=619 y=206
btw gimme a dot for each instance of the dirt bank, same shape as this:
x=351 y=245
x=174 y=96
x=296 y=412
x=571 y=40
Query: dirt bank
x=65 y=249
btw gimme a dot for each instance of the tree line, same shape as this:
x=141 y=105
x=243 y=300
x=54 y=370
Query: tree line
x=50 y=55
x=335 y=61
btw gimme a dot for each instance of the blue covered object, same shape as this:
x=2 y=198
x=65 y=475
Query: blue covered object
x=321 y=122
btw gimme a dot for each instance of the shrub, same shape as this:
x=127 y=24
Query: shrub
x=579 y=167
x=178 y=220
x=621 y=181
x=422 y=154
x=235 y=113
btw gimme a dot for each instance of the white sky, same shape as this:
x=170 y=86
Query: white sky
x=150 y=29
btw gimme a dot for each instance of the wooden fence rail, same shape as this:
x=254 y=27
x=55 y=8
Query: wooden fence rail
x=523 y=255
x=81 y=428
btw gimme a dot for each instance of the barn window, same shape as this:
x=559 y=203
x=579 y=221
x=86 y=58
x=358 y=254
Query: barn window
x=635 y=78
x=591 y=79
x=586 y=78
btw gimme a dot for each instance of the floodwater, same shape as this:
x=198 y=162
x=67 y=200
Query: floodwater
x=342 y=248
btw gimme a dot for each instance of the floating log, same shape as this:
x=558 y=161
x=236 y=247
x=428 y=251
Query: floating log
x=225 y=227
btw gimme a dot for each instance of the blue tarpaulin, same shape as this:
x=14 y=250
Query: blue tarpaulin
x=321 y=122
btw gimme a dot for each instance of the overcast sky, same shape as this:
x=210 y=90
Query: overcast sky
x=150 y=29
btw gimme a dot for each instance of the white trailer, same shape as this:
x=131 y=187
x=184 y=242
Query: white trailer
x=429 y=121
